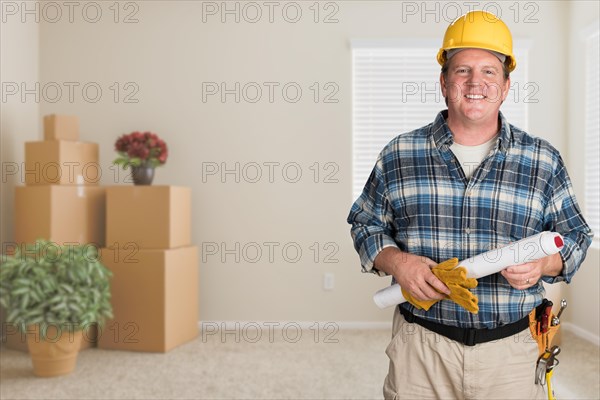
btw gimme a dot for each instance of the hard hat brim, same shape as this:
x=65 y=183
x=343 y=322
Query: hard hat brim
x=510 y=62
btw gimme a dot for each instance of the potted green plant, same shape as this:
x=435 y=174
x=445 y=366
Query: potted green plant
x=142 y=152
x=54 y=293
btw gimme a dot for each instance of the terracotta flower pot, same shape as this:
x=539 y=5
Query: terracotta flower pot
x=57 y=353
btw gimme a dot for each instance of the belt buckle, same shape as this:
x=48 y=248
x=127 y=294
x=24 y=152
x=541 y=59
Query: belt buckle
x=470 y=335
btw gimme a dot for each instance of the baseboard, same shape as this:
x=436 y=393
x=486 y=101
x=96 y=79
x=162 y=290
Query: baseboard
x=582 y=333
x=365 y=325
x=305 y=325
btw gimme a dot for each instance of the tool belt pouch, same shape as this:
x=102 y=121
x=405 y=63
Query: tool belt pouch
x=539 y=337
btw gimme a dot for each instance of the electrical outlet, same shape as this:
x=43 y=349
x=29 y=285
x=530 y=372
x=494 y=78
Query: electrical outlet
x=328 y=281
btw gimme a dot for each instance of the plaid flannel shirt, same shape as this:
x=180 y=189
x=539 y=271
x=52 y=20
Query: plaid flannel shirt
x=418 y=199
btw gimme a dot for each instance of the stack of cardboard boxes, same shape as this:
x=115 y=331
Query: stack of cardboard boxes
x=155 y=269
x=146 y=243
x=61 y=201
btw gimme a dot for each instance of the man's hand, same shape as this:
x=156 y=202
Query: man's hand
x=413 y=273
x=523 y=276
x=455 y=278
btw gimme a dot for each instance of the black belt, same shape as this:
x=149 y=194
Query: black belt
x=468 y=336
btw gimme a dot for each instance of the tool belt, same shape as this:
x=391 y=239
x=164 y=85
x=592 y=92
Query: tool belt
x=543 y=340
x=469 y=336
x=544 y=325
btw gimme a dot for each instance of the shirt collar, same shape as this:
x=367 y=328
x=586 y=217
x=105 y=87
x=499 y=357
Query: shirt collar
x=442 y=135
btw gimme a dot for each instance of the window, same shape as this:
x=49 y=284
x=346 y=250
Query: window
x=396 y=89
x=592 y=134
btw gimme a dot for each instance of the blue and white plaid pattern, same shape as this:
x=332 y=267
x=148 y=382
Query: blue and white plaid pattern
x=418 y=199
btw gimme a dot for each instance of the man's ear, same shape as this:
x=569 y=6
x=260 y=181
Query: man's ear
x=443 y=84
x=505 y=89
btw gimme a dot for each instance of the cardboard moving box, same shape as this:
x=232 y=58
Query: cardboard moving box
x=61 y=127
x=61 y=162
x=60 y=213
x=154 y=299
x=149 y=217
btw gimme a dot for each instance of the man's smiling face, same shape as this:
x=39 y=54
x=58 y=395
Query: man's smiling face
x=474 y=86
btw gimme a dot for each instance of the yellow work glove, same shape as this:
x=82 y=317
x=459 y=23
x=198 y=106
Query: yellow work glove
x=458 y=283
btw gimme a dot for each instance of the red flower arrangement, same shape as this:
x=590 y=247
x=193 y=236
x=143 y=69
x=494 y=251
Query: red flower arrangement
x=139 y=148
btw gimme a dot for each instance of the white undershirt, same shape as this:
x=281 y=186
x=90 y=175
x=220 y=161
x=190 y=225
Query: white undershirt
x=470 y=157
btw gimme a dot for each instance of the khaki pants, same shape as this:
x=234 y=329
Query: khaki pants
x=425 y=365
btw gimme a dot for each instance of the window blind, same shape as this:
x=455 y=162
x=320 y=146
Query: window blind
x=396 y=89
x=592 y=134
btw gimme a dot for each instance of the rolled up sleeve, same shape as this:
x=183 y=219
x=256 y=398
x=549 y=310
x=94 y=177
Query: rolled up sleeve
x=371 y=217
x=564 y=216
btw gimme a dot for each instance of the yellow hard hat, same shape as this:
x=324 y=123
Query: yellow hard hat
x=480 y=30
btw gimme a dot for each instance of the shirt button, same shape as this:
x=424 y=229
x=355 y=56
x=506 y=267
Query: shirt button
x=468 y=230
x=469 y=193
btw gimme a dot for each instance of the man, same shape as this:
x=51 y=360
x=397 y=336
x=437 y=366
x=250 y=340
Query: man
x=465 y=184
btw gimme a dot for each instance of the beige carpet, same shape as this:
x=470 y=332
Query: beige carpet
x=352 y=368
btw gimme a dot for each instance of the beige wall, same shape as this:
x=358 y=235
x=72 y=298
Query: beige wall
x=19 y=121
x=584 y=293
x=168 y=54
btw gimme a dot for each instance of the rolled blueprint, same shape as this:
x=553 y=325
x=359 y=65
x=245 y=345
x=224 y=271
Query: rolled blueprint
x=525 y=250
